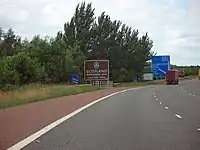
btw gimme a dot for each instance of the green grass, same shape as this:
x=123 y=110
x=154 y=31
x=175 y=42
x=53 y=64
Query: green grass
x=38 y=92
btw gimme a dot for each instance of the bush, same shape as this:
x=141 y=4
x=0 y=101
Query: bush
x=29 y=69
x=189 y=71
x=18 y=69
x=8 y=73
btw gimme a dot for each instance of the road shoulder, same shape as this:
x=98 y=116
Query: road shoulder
x=22 y=121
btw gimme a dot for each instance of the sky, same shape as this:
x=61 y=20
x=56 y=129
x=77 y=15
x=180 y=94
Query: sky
x=173 y=25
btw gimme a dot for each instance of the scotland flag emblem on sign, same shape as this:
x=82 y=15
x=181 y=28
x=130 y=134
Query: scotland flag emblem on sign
x=160 y=65
x=96 y=65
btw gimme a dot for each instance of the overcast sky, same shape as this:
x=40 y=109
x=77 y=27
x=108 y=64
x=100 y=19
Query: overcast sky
x=173 y=25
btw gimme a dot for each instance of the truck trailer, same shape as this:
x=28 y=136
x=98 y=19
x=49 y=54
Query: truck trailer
x=172 y=77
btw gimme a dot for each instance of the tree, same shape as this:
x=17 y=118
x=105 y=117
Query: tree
x=9 y=43
x=1 y=35
x=19 y=69
x=142 y=53
x=73 y=61
x=78 y=29
x=56 y=59
x=53 y=60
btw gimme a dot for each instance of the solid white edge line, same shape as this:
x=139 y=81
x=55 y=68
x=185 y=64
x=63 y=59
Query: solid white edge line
x=178 y=116
x=44 y=130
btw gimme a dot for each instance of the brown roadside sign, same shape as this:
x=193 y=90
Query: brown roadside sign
x=96 y=70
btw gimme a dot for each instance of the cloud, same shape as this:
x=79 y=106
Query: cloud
x=172 y=24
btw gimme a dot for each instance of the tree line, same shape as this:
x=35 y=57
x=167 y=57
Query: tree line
x=54 y=59
x=188 y=70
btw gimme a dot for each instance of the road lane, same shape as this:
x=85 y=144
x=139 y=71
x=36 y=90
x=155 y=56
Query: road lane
x=182 y=102
x=192 y=87
x=130 y=120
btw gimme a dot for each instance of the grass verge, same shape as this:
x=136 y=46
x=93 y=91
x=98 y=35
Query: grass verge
x=38 y=92
x=145 y=83
x=154 y=82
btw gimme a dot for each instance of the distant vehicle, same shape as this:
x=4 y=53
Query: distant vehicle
x=172 y=77
x=199 y=73
x=148 y=76
x=181 y=72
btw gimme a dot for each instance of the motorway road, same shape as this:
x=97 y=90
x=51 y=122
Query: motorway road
x=155 y=118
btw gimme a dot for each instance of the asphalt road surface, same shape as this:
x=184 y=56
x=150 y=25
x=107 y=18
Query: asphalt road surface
x=157 y=118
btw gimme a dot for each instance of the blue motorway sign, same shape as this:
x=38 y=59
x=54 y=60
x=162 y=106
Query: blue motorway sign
x=75 y=78
x=160 y=65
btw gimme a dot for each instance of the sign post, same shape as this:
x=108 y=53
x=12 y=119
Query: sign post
x=96 y=70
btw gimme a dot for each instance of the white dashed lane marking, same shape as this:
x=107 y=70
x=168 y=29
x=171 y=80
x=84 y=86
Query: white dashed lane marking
x=154 y=96
x=178 y=116
x=187 y=92
x=160 y=103
x=198 y=129
x=157 y=99
x=166 y=107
